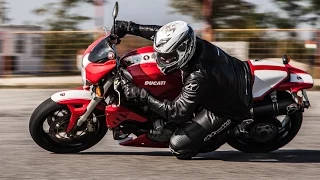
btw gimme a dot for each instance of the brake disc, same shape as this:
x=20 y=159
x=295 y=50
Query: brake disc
x=264 y=131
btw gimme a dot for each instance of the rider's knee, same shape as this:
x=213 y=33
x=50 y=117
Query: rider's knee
x=183 y=154
x=181 y=145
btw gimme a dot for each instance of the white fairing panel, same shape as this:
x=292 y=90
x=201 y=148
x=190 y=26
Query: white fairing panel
x=71 y=94
x=301 y=78
x=85 y=60
x=266 y=63
x=265 y=80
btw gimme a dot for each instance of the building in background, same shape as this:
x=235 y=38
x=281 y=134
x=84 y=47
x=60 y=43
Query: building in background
x=20 y=51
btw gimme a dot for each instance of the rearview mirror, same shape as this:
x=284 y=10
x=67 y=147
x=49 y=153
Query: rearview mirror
x=115 y=11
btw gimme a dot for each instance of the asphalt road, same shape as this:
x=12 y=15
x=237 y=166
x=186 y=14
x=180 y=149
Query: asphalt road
x=21 y=158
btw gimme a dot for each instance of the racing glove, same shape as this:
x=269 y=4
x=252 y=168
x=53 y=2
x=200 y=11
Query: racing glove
x=132 y=92
x=121 y=28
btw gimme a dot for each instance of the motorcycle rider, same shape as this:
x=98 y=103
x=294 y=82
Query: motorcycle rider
x=212 y=79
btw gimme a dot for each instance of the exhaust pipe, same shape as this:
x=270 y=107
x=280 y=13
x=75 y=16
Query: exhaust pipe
x=282 y=107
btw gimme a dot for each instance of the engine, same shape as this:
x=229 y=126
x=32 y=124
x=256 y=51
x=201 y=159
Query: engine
x=160 y=132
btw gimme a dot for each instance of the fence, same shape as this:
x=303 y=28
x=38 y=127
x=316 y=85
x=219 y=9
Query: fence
x=50 y=52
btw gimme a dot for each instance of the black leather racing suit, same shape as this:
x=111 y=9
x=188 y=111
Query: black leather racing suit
x=214 y=80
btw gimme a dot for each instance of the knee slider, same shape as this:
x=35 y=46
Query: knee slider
x=179 y=140
x=181 y=145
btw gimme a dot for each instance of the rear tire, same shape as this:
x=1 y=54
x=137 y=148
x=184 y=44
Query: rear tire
x=272 y=145
x=281 y=139
x=48 y=142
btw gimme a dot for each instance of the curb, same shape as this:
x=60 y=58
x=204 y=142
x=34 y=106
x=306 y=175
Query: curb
x=41 y=82
x=46 y=86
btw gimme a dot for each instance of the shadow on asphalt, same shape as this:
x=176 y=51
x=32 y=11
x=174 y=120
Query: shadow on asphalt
x=152 y=153
x=280 y=156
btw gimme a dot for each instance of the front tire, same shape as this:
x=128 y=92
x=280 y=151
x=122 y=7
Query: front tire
x=54 y=139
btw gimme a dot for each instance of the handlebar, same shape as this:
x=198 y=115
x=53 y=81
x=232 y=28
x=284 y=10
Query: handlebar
x=114 y=39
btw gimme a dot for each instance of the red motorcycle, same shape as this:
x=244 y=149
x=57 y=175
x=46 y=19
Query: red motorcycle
x=74 y=120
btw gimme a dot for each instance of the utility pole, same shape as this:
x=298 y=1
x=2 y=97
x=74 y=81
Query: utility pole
x=316 y=67
x=99 y=13
x=3 y=13
x=207 y=32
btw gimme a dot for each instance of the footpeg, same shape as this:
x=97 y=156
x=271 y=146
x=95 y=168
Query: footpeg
x=125 y=140
x=118 y=135
x=158 y=126
x=241 y=128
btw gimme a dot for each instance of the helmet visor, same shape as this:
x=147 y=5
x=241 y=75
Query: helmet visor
x=167 y=58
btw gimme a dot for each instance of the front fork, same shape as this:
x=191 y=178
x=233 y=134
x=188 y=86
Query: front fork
x=98 y=97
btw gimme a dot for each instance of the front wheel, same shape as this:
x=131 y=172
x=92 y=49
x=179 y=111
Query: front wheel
x=49 y=121
x=266 y=137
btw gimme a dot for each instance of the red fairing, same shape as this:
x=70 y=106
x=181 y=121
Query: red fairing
x=295 y=86
x=115 y=115
x=146 y=74
x=268 y=67
x=95 y=72
x=295 y=70
x=143 y=141
x=77 y=108
x=146 y=49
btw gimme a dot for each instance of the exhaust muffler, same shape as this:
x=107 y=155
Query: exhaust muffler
x=282 y=107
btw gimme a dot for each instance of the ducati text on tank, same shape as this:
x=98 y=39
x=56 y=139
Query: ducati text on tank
x=155 y=83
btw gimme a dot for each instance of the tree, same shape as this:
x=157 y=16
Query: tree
x=3 y=12
x=225 y=14
x=232 y=14
x=61 y=47
x=241 y=14
x=60 y=17
x=300 y=11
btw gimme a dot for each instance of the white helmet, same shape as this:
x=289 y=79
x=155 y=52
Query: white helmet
x=174 y=45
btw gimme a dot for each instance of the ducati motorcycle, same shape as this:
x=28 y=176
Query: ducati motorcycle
x=74 y=120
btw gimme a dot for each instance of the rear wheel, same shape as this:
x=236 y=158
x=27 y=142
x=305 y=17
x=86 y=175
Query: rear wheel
x=265 y=137
x=48 y=124
x=268 y=135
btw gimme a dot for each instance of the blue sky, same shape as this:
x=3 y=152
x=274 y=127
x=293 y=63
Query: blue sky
x=140 y=11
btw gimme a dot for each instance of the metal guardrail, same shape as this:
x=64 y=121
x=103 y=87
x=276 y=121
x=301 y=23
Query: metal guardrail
x=59 y=52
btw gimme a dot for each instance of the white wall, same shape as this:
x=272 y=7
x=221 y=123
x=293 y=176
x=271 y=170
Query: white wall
x=238 y=49
x=25 y=62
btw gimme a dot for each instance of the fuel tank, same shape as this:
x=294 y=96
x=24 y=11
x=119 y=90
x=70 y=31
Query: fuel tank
x=143 y=68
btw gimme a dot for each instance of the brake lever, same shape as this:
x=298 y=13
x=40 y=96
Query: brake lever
x=116 y=84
